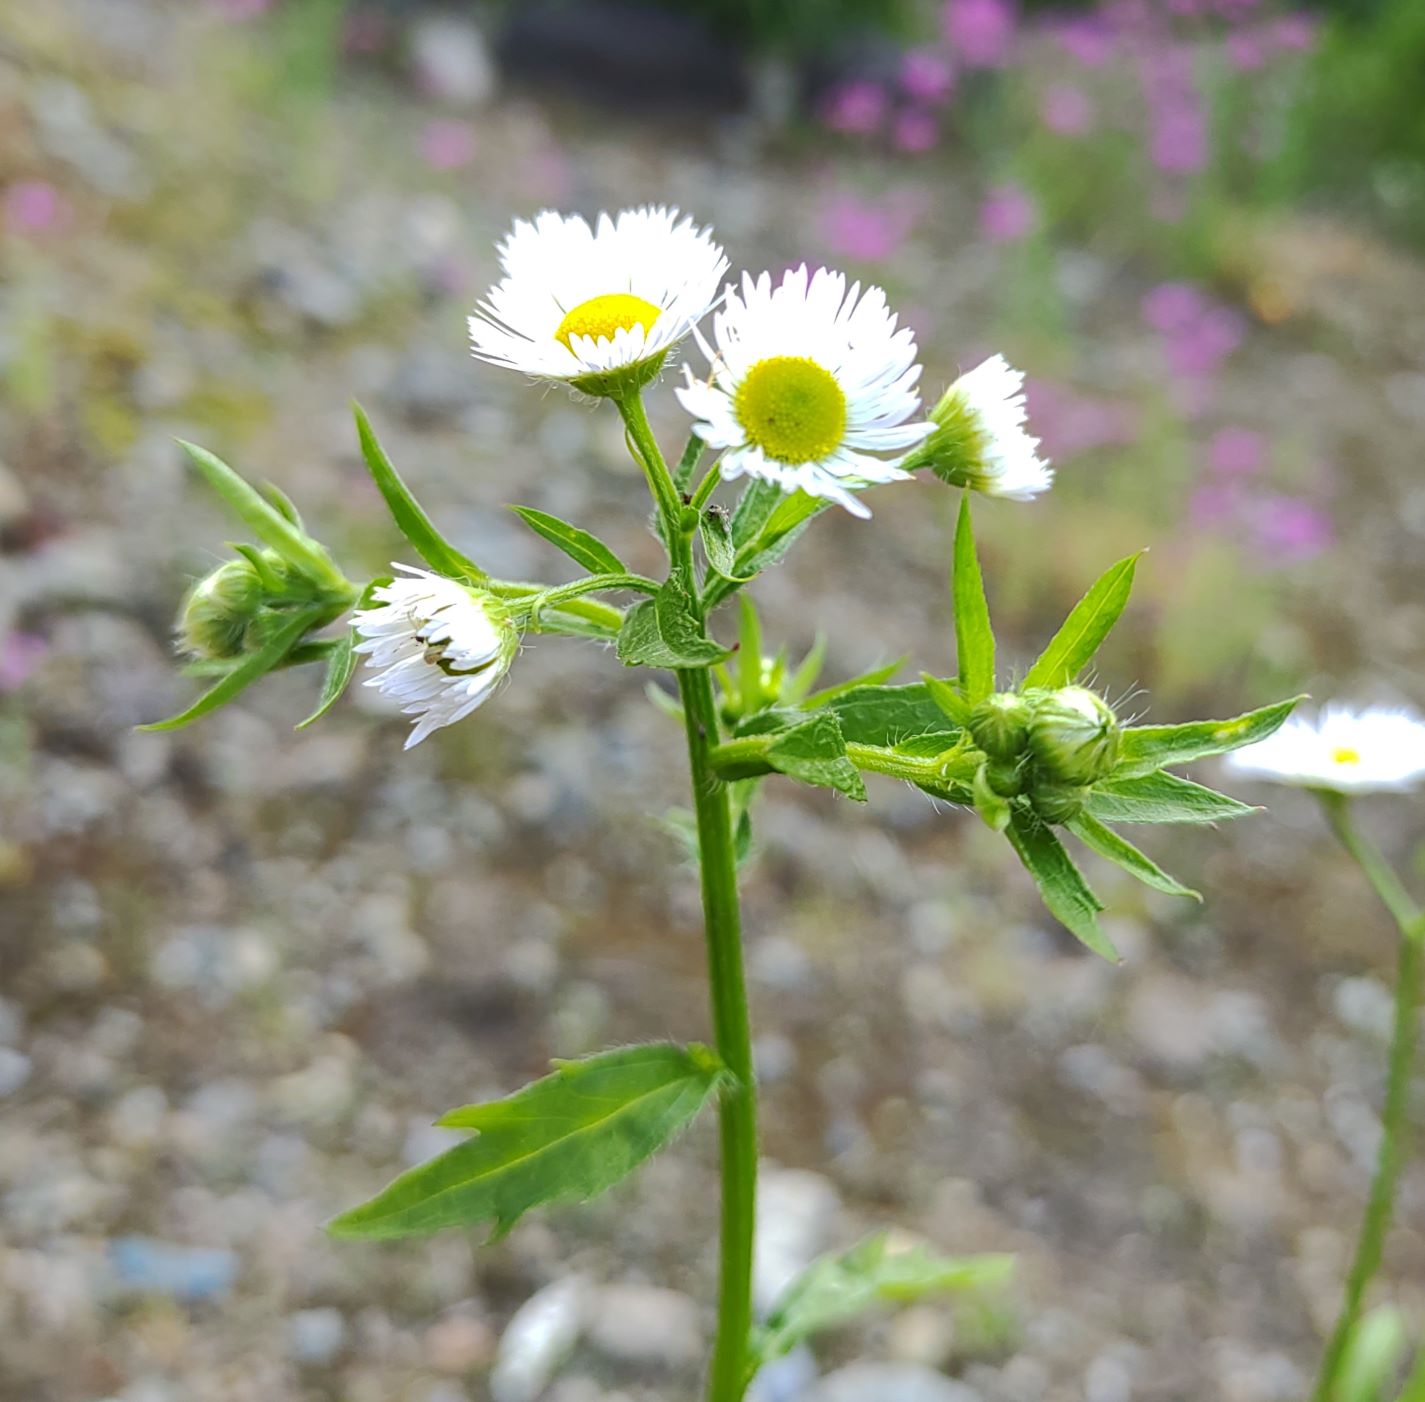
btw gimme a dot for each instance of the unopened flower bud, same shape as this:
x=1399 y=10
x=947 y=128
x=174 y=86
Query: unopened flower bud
x=1000 y=725
x=1058 y=803
x=220 y=608
x=1073 y=736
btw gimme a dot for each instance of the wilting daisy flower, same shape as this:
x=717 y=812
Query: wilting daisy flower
x=437 y=647
x=809 y=381
x=599 y=307
x=979 y=439
x=1376 y=750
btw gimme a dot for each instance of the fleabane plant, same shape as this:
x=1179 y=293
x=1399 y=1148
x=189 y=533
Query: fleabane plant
x=808 y=399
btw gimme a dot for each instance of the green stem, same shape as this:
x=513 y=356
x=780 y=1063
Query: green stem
x=604 y=615
x=747 y=758
x=728 y=1379
x=1395 y=1119
x=650 y=459
x=706 y=488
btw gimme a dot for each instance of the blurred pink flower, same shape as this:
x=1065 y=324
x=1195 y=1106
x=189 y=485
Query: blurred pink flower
x=1216 y=504
x=447 y=145
x=239 y=10
x=20 y=655
x=857 y=108
x=915 y=131
x=1007 y=215
x=1179 y=140
x=35 y=207
x=1295 y=32
x=980 y=32
x=869 y=231
x=1172 y=305
x=1087 y=39
x=1245 y=51
x=1071 y=423
x=1290 y=529
x=1066 y=110
x=1238 y=452
x=927 y=76
x=366 y=30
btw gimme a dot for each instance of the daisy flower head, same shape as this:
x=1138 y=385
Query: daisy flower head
x=810 y=380
x=437 y=647
x=597 y=307
x=1378 y=750
x=979 y=440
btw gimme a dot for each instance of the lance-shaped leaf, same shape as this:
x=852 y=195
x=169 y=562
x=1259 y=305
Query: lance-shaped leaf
x=687 y=465
x=946 y=694
x=1145 y=749
x=1161 y=798
x=1072 y=648
x=341 y=658
x=753 y=510
x=665 y=631
x=408 y=513
x=836 y=1289
x=1109 y=844
x=815 y=753
x=1067 y=895
x=269 y=656
x=566 y=1137
x=974 y=638
x=763 y=534
x=579 y=545
x=269 y=522
x=887 y=715
x=716 y=534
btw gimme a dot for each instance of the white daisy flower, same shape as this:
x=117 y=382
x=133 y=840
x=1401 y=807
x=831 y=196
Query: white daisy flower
x=1380 y=749
x=979 y=439
x=599 y=307
x=437 y=648
x=809 y=380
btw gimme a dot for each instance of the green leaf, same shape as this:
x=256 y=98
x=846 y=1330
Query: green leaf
x=269 y=523
x=800 y=683
x=407 y=512
x=993 y=808
x=946 y=695
x=341 y=659
x=754 y=509
x=1147 y=748
x=664 y=631
x=1109 y=844
x=567 y=1137
x=1061 y=883
x=932 y=743
x=974 y=638
x=283 y=504
x=257 y=664
x=716 y=535
x=1073 y=646
x=581 y=547
x=1161 y=798
x=835 y=1289
x=763 y=535
x=875 y=677
x=887 y=715
x=749 y=656
x=815 y=753
x=1373 y=1356
x=688 y=464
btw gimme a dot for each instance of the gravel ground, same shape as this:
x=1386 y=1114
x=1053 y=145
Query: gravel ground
x=241 y=969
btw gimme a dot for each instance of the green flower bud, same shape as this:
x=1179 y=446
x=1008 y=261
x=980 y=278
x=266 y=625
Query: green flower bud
x=1005 y=776
x=1000 y=725
x=218 y=611
x=1058 y=803
x=1073 y=736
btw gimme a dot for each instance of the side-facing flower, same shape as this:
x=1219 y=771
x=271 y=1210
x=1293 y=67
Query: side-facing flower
x=1377 y=750
x=598 y=308
x=437 y=647
x=810 y=380
x=979 y=440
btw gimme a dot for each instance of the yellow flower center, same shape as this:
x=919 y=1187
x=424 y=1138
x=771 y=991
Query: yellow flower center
x=603 y=316
x=1346 y=755
x=791 y=408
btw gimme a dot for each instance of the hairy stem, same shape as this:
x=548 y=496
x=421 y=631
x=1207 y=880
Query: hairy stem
x=747 y=758
x=728 y=1378
x=1395 y=1119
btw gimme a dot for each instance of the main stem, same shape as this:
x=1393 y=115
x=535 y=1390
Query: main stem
x=728 y=1378
x=717 y=861
x=1395 y=1117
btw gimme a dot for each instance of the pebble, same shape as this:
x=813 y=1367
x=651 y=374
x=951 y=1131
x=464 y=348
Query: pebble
x=539 y=1337
x=187 y=1273
x=316 y=1336
x=890 y=1382
x=15 y=1068
x=797 y=1215
x=645 y=1326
